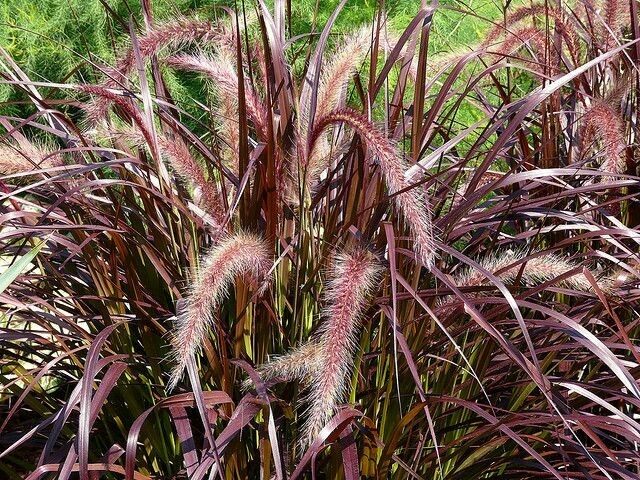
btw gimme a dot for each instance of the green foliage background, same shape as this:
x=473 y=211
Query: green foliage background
x=56 y=40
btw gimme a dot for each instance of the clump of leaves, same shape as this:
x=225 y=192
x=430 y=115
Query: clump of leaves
x=355 y=283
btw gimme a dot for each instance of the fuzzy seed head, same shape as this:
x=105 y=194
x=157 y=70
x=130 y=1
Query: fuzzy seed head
x=602 y=123
x=339 y=69
x=177 y=153
x=238 y=254
x=172 y=34
x=300 y=364
x=563 y=26
x=27 y=157
x=352 y=280
x=336 y=72
x=411 y=202
x=223 y=71
x=507 y=266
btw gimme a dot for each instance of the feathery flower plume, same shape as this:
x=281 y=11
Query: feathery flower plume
x=177 y=153
x=300 y=364
x=546 y=268
x=122 y=102
x=508 y=265
x=338 y=70
x=411 y=203
x=516 y=40
x=171 y=34
x=27 y=157
x=186 y=166
x=238 y=254
x=352 y=280
x=534 y=37
x=602 y=123
x=331 y=95
x=566 y=29
x=222 y=70
x=257 y=56
x=228 y=131
x=616 y=16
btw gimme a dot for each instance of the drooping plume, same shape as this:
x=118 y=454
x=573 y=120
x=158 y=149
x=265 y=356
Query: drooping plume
x=177 y=153
x=238 y=254
x=336 y=72
x=562 y=25
x=530 y=11
x=172 y=34
x=180 y=158
x=508 y=267
x=27 y=157
x=411 y=202
x=222 y=70
x=110 y=96
x=534 y=38
x=352 y=280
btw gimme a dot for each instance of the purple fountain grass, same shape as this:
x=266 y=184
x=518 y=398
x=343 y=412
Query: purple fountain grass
x=336 y=73
x=171 y=34
x=410 y=201
x=122 y=102
x=300 y=364
x=536 y=38
x=120 y=233
x=352 y=280
x=222 y=70
x=27 y=157
x=546 y=268
x=507 y=266
x=331 y=95
x=616 y=16
x=238 y=254
x=565 y=28
x=601 y=122
x=228 y=131
x=179 y=156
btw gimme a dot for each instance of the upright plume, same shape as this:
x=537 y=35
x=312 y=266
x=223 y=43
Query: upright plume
x=601 y=122
x=238 y=254
x=336 y=72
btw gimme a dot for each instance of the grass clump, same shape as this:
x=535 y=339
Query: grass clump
x=359 y=280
